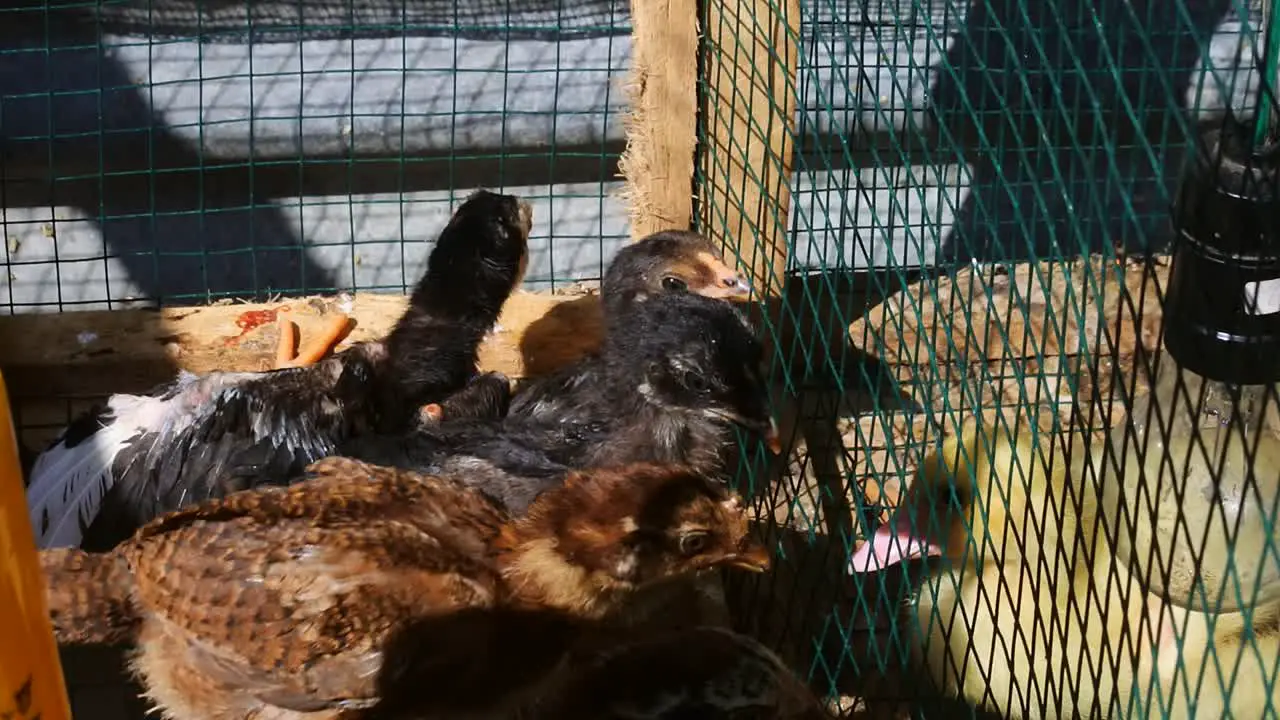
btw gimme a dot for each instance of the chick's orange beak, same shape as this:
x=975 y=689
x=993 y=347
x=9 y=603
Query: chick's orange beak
x=772 y=438
x=753 y=558
x=725 y=282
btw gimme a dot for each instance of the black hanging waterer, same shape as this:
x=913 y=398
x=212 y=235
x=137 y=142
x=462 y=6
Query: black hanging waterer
x=1222 y=304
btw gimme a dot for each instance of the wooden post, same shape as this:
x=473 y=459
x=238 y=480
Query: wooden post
x=663 y=119
x=31 y=681
x=751 y=55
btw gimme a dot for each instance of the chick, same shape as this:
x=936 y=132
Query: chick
x=285 y=600
x=672 y=261
x=669 y=261
x=1227 y=665
x=137 y=457
x=675 y=390
x=706 y=672
x=1031 y=616
x=991 y=618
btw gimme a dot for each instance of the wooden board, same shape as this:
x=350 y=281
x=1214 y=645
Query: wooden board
x=1006 y=341
x=751 y=55
x=992 y=341
x=663 y=116
x=79 y=354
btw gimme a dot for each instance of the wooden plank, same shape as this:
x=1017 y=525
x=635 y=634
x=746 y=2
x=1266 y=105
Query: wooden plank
x=751 y=54
x=662 y=122
x=1032 y=330
x=78 y=354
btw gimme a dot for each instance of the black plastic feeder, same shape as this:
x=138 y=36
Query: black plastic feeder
x=1222 y=306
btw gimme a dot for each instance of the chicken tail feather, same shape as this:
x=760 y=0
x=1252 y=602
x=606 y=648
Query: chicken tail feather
x=90 y=597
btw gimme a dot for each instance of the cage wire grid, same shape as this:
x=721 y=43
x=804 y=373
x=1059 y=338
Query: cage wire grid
x=176 y=153
x=943 y=138
x=299 y=150
x=933 y=139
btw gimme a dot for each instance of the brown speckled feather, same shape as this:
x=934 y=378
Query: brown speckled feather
x=89 y=596
x=281 y=600
x=340 y=489
x=294 y=591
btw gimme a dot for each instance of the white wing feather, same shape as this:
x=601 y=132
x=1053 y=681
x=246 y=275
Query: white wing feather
x=68 y=484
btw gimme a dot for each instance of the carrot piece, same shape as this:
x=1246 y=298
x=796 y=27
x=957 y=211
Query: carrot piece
x=288 y=341
x=331 y=334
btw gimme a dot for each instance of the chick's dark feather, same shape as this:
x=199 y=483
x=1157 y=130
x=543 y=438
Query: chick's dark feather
x=685 y=373
x=487 y=396
x=510 y=461
x=432 y=351
x=664 y=262
x=224 y=432
x=671 y=390
x=205 y=436
x=710 y=673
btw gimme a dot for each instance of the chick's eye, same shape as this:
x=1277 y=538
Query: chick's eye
x=693 y=543
x=671 y=283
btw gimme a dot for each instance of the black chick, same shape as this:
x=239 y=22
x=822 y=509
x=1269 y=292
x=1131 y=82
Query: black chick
x=705 y=672
x=671 y=390
x=545 y=664
x=669 y=261
x=672 y=261
x=200 y=437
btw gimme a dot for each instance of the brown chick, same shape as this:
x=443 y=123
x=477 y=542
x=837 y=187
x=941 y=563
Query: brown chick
x=1029 y=613
x=281 y=602
x=707 y=672
x=675 y=261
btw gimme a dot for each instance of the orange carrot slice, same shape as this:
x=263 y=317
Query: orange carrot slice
x=331 y=334
x=288 y=341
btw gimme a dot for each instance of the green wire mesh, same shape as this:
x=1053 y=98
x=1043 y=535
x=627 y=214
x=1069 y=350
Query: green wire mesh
x=177 y=152
x=182 y=151
x=940 y=146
